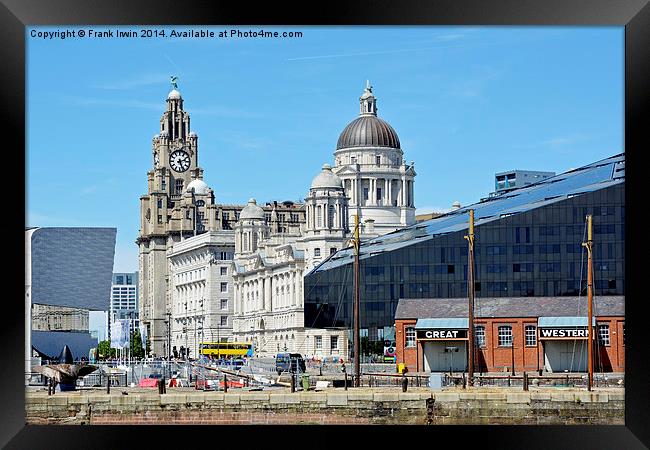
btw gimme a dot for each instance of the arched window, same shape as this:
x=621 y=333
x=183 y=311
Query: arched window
x=319 y=216
x=330 y=217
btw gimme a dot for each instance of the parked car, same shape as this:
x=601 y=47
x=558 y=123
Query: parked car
x=289 y=362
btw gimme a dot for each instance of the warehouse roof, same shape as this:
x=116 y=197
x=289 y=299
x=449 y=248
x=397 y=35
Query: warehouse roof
x=421 y=308
x=593 y=177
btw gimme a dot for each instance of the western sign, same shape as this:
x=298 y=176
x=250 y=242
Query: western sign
x=563 y=333
x=441 y=334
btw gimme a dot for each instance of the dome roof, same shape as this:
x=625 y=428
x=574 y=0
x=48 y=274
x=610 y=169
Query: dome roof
x=368 y=131
x=200 y=187
x=327 y=179
x=252 y=211
x=174 y=95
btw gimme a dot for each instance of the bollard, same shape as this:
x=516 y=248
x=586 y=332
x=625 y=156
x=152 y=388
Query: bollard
x=108 y=384
x=49 y=387
x=464 y=381
x=293 y=383
x=430 y=410
x=525 y=381
x=225 y=383
x=508 y=380
x=164 y=385
x=405 y=383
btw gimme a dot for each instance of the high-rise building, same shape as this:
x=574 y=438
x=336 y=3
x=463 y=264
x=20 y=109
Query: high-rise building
x=124 y=299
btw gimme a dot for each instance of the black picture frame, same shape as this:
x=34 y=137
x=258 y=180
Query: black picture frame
x=16 y=15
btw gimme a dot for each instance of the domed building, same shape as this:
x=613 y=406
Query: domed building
x=326 y=226
x=370 y=162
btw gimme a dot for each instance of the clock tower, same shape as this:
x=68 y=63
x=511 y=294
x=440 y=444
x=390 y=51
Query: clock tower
x=178 y=204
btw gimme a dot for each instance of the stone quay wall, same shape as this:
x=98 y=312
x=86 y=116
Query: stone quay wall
x=359 y=406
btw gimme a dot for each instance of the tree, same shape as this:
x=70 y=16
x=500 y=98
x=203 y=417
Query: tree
x=136 y=345
x=105 y=351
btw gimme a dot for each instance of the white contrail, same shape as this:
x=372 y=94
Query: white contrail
x=173 y=63
x=382 y=52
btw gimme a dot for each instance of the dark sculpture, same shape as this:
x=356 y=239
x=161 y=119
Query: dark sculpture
x=65 y=373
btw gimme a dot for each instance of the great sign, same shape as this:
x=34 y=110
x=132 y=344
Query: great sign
x=563 y=333
x=441 y=334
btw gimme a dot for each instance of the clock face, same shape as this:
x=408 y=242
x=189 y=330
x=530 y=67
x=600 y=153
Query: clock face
x=179 y=160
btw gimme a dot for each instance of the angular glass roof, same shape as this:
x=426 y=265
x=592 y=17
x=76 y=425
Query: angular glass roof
x=593 y=177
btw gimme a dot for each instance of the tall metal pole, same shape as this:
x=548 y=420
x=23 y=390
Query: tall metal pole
x=590 y=300
x=169 y=345
x=470 y=298
x=357 y=365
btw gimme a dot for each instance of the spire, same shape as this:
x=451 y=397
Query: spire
x=367 y=101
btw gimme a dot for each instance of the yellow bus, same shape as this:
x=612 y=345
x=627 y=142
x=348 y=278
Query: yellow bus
x=226 y=349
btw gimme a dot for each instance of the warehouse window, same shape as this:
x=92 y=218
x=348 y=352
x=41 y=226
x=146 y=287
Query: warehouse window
x=479 y=333
x=318 y=342
x=410 y=337
x=531 y=335
x=505 y=336
x=603 y=335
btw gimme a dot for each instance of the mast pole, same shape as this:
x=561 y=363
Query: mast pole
x=590 y=301
x=357 y=365
x=470 y=298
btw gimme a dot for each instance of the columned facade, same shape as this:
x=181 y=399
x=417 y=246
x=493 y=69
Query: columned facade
x=377 y=180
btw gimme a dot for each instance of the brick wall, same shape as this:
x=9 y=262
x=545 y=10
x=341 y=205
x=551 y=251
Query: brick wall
x=495 y=358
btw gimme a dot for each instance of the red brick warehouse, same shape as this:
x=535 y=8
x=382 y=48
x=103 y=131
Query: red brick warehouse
x=520 y=333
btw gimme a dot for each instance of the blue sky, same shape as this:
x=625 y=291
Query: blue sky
x=466 y=102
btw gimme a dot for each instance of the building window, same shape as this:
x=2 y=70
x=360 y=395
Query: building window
x=224 y=321
x=410 y=337
x=378 y=194
x=531 y=335
x=294 y=217
x=159 y=219
x=224 y=287
x=365 y=193
x=224 y=303
x=330 y=216
x=159 y=203
x=334 y=342
x=378 y=160
x=179 y=187
x=318 y=342
x=317 y=252
x=319 y=216
x=603 y=335
x=332 y=250
x=479 y=334
x=505 y=336
x=224 y=271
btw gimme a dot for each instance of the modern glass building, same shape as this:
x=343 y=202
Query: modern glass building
x=67 y=272
x=527 y=243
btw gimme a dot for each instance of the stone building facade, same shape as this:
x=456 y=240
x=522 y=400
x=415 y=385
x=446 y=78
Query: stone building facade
x=274 y=245
x=200 y=274
x=370 y=180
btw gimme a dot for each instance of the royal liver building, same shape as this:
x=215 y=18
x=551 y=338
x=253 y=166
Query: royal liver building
x=213 y=272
